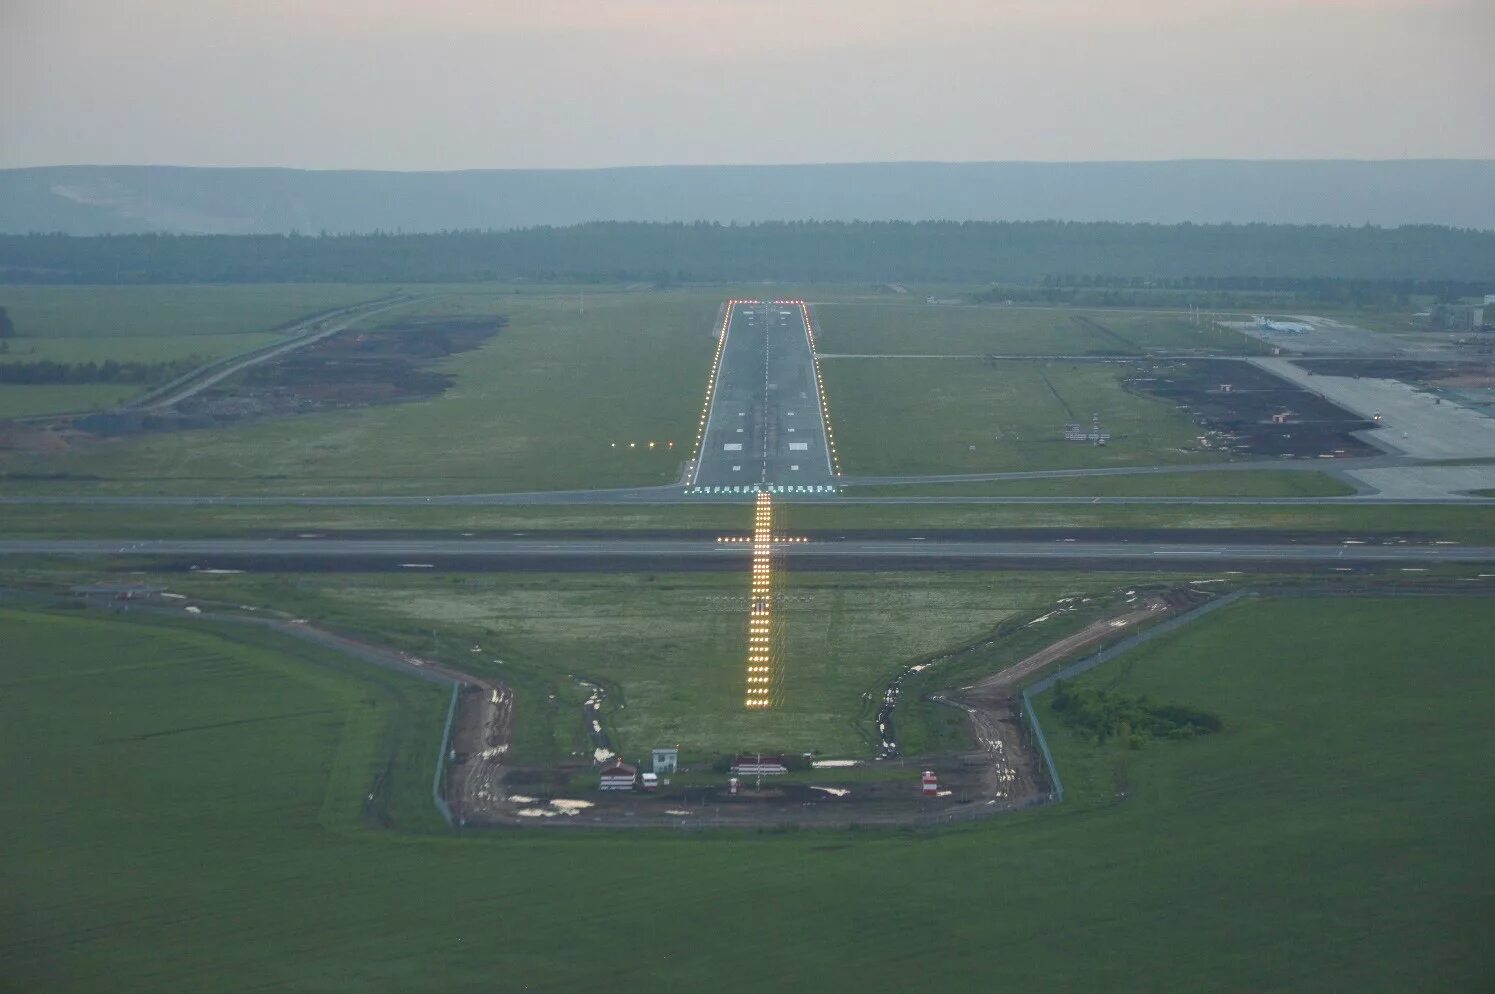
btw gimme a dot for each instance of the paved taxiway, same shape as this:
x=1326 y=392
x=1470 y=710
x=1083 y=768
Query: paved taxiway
x=566 y=553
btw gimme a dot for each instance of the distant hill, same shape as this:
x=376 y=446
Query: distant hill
x=92 y=200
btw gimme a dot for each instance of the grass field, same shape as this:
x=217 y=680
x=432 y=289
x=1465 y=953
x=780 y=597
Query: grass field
x=919 y=329
x=1257 y=483
x=1331 y=838
x=669 y=648
x=917 y=416
x=18 y=400
x=538 y=407
x=162 y=320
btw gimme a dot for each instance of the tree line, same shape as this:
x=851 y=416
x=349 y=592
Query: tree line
x=1103 y=714
x=798 y=251
x=47 y=371
x=1234 y=293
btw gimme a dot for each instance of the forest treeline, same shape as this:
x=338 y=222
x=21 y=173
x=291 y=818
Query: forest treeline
x=48 y=371
x=804 y=251
x=1233 y=293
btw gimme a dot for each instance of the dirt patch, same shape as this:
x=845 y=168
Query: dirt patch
x=1473 y=373
x=31 y=441
x=1012 y=769
x=351 y=369
x=1241 y=408
x=477 y=766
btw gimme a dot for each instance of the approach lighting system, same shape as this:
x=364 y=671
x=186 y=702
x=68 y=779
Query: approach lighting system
x=760 y=609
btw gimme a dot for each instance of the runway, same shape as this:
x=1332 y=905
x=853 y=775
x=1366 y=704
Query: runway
x=602 y=554
x=764 y=426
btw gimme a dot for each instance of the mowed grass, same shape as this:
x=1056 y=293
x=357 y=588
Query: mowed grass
x=20 y=400
x=671 y=648
x=153 y=348
x=1338 y=803
x=1242 y=483
x=920 y=329
x=45 y=314
x=900 y=417
x=554 y=401
x=1331 y=838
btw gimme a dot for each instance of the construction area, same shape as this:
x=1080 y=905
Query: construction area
x=1253 y=411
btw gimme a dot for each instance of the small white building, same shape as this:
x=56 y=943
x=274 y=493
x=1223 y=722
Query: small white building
x=664 y=760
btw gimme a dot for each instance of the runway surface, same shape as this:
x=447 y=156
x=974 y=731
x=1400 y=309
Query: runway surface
x=764 y=425
x=622 y=553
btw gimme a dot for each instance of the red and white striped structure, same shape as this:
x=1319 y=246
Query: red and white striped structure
x=759 y=765
x=619 y=776
x=930 y=783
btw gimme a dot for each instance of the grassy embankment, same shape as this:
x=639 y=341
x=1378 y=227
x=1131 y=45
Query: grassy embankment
x=1327 y=839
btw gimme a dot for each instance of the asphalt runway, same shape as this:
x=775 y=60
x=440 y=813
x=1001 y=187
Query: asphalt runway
x=764 y=425
x=624 y=554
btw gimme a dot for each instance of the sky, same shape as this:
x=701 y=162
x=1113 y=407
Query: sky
x=465 y=84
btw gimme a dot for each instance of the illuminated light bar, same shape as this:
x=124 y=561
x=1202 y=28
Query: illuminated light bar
x=759 y=677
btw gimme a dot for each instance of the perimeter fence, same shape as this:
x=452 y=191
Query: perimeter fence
x=1090 y=662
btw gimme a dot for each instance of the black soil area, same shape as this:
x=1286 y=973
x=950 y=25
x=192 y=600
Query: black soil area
x=1236 y=403
x=354 y=368
x=1472 y=373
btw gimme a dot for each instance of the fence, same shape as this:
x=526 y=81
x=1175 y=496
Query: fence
x=1104 y=656
x=438 y=791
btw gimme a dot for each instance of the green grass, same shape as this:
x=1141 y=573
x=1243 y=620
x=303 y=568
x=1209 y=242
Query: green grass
x=1260 y=483
x=1331 y=838
x=43 y=314
x=19 y=400
x=1335 y=801
x=919 y=329
x=669 y=648
x=540 y=406
x=912 y=417
x=159 y=348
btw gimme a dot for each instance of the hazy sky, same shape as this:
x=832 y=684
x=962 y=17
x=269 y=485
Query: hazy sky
x=446 y=84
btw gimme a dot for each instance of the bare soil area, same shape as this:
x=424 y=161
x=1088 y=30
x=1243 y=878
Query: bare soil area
x=1235 y=404
x=354 y=368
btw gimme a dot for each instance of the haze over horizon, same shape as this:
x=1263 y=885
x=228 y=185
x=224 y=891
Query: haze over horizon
x=458 y=84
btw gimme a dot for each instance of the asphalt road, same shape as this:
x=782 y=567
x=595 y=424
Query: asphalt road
x=649 y=496
x=416 y=553
x=764 y=425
